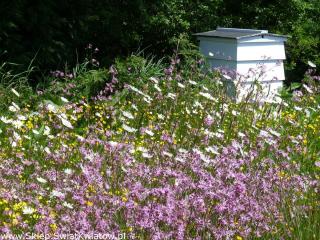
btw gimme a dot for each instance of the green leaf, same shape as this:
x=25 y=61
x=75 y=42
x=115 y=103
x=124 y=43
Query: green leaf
x=295 y=85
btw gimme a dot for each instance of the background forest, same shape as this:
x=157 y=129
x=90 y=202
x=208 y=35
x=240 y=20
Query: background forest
x=54 y=33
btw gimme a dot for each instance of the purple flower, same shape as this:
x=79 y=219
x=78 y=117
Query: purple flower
x=168 y=71
x=208 y=121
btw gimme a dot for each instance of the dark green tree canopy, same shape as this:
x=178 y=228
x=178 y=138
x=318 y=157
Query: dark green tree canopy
x=58 y=31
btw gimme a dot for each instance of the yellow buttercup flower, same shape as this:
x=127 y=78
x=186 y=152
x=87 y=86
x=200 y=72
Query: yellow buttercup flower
x=282 y=174
x=15 y=221
x=53 y=227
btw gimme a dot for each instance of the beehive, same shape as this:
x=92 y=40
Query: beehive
x=255 y=55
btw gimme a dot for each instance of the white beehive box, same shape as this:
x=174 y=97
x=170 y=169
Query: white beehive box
x=255 y=55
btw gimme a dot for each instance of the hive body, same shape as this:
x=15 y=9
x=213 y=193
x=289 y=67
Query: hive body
x=255 y=55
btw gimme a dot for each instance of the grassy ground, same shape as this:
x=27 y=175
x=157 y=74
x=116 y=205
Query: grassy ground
x=158 y=153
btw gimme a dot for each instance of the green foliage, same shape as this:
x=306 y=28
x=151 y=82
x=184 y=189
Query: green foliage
x=136 y=69
x=85 y=85
x=10 y=83
x=304 y=43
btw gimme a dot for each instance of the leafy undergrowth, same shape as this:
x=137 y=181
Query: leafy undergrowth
x=171 y=157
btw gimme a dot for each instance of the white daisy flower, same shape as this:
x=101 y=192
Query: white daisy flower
x=66 y=123
x=180 y=159
x=17 y=124
x=68 y=171
x=212 y=149
x=13 y=109
x=52 y=108
x=47 y=150
x=180 y=85
x=56 y=193
x=128 y=129
x=227 y=77
x=113 y=144
x=142 y=149
x=182 y=150
x=15 y=92
x=307 y=88
x=46 y=130
x=171 y=95
x=206 y=95
x=68 y=205
x=234 y=113
x=146 y=155
x=16 y=136
x=6 y=120
x=240 y=134
x=134 y=107
x=153 y=79
x=22 y=118
x=41 y=180
x=150 y=133
x=27 y=210
x=157 y=88
x=127 y=114
x=167 y=154
x=160 y=116
x=64 y=99
x=35 y=132
x=147 y=99
x=274 y=133
x=297 y=108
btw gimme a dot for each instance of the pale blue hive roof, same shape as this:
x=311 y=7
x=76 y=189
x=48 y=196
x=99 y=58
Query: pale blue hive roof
x=237 y=33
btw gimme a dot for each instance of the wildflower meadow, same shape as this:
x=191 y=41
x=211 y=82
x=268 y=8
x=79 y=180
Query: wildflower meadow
x=159 y=152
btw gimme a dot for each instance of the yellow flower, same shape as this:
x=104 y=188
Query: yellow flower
x=53 y=227
x=52 y=214
x=15 y=221
x=305 y=141
x=125 y=191
x=29 y=124
x=91 y=188
x=36 y=216
x=282 y=174
x=16 y=207
x=3 y=201
x=239 y=238
x=90 y=204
